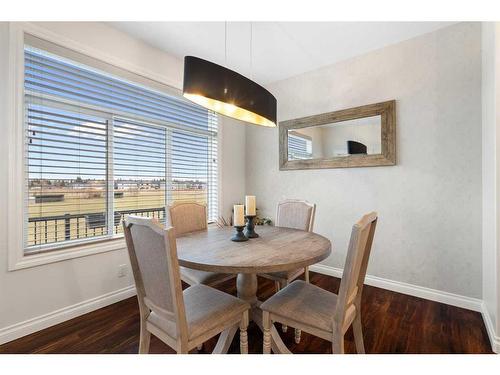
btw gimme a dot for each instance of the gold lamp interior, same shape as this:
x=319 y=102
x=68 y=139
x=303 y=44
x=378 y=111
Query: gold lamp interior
x=229 y=110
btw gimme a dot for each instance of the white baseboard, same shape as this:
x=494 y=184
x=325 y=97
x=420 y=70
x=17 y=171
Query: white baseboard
x=410 y=289
x=27 y=327
x=494 y=339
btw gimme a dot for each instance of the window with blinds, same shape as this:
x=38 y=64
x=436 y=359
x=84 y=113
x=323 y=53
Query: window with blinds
x=299 y=146
x=99 y=147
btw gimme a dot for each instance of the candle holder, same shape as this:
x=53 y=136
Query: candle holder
x=250 y=227
x=239 y=236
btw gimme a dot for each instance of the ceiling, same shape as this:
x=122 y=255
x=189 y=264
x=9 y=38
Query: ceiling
x=278 y=49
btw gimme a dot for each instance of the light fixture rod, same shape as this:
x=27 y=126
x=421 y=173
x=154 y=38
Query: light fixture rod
x=251 y=49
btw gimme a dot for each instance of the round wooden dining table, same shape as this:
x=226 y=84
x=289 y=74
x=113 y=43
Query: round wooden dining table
x=276 y=249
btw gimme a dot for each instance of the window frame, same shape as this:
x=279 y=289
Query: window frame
x=18 y=258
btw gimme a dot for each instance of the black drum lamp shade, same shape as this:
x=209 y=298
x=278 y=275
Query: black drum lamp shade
x=227 y=92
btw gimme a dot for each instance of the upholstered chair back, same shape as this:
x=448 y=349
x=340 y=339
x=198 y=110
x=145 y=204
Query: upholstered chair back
x=188 y=217
x=296 y=214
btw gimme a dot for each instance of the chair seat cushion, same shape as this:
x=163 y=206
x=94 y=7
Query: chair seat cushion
x=193 y=277
x=305 y=303
x=205 y=309
x=283 y=276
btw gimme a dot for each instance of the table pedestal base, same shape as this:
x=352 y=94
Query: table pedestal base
x=246 y=285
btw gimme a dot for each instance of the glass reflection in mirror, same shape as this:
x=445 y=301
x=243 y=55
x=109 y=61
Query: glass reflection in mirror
x=361 y=136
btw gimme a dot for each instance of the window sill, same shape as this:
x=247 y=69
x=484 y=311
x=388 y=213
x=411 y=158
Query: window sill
x=77 y=251
x=71 y=252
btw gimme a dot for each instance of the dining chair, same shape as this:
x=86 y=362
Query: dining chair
x=320 y=312
x=296 y=214
x=187 y=218
x=181 y=319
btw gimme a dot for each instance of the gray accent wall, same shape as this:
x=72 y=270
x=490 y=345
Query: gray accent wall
x=429 y=231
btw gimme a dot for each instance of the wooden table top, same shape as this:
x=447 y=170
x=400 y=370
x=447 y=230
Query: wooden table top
x=277 y=249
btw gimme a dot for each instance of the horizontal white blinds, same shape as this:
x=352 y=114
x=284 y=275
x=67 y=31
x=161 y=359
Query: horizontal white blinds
x=299 y=147
x=48 y=74
x=66 y=164
x=99 y=147
x=139 y=169
x=193 y=170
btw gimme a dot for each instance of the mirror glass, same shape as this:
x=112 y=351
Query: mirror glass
x=360 y=136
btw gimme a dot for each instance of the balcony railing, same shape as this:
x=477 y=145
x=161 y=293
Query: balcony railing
x=51 y=229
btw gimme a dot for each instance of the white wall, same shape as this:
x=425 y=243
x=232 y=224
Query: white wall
x=429 y=232
x=490 y=176
x=33 y=292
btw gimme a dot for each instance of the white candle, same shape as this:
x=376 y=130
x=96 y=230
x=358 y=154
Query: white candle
x=239 y=220
x=250 y=203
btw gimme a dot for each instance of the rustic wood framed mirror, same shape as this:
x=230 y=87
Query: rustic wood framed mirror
x=356 y=137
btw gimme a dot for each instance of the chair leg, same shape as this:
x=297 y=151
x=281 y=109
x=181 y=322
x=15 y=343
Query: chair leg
x=306 y=274
x=144 y=339
x=298 y=333
x=358 y=334
x=266 y=321
x=278 y=287
x=338 y=343
x=243 y=333
x=182 y=347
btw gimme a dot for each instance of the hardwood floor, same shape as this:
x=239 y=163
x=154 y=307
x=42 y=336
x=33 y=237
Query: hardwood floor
x=392 y=323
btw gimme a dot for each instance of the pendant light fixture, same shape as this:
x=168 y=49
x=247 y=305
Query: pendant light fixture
x=224 y=91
